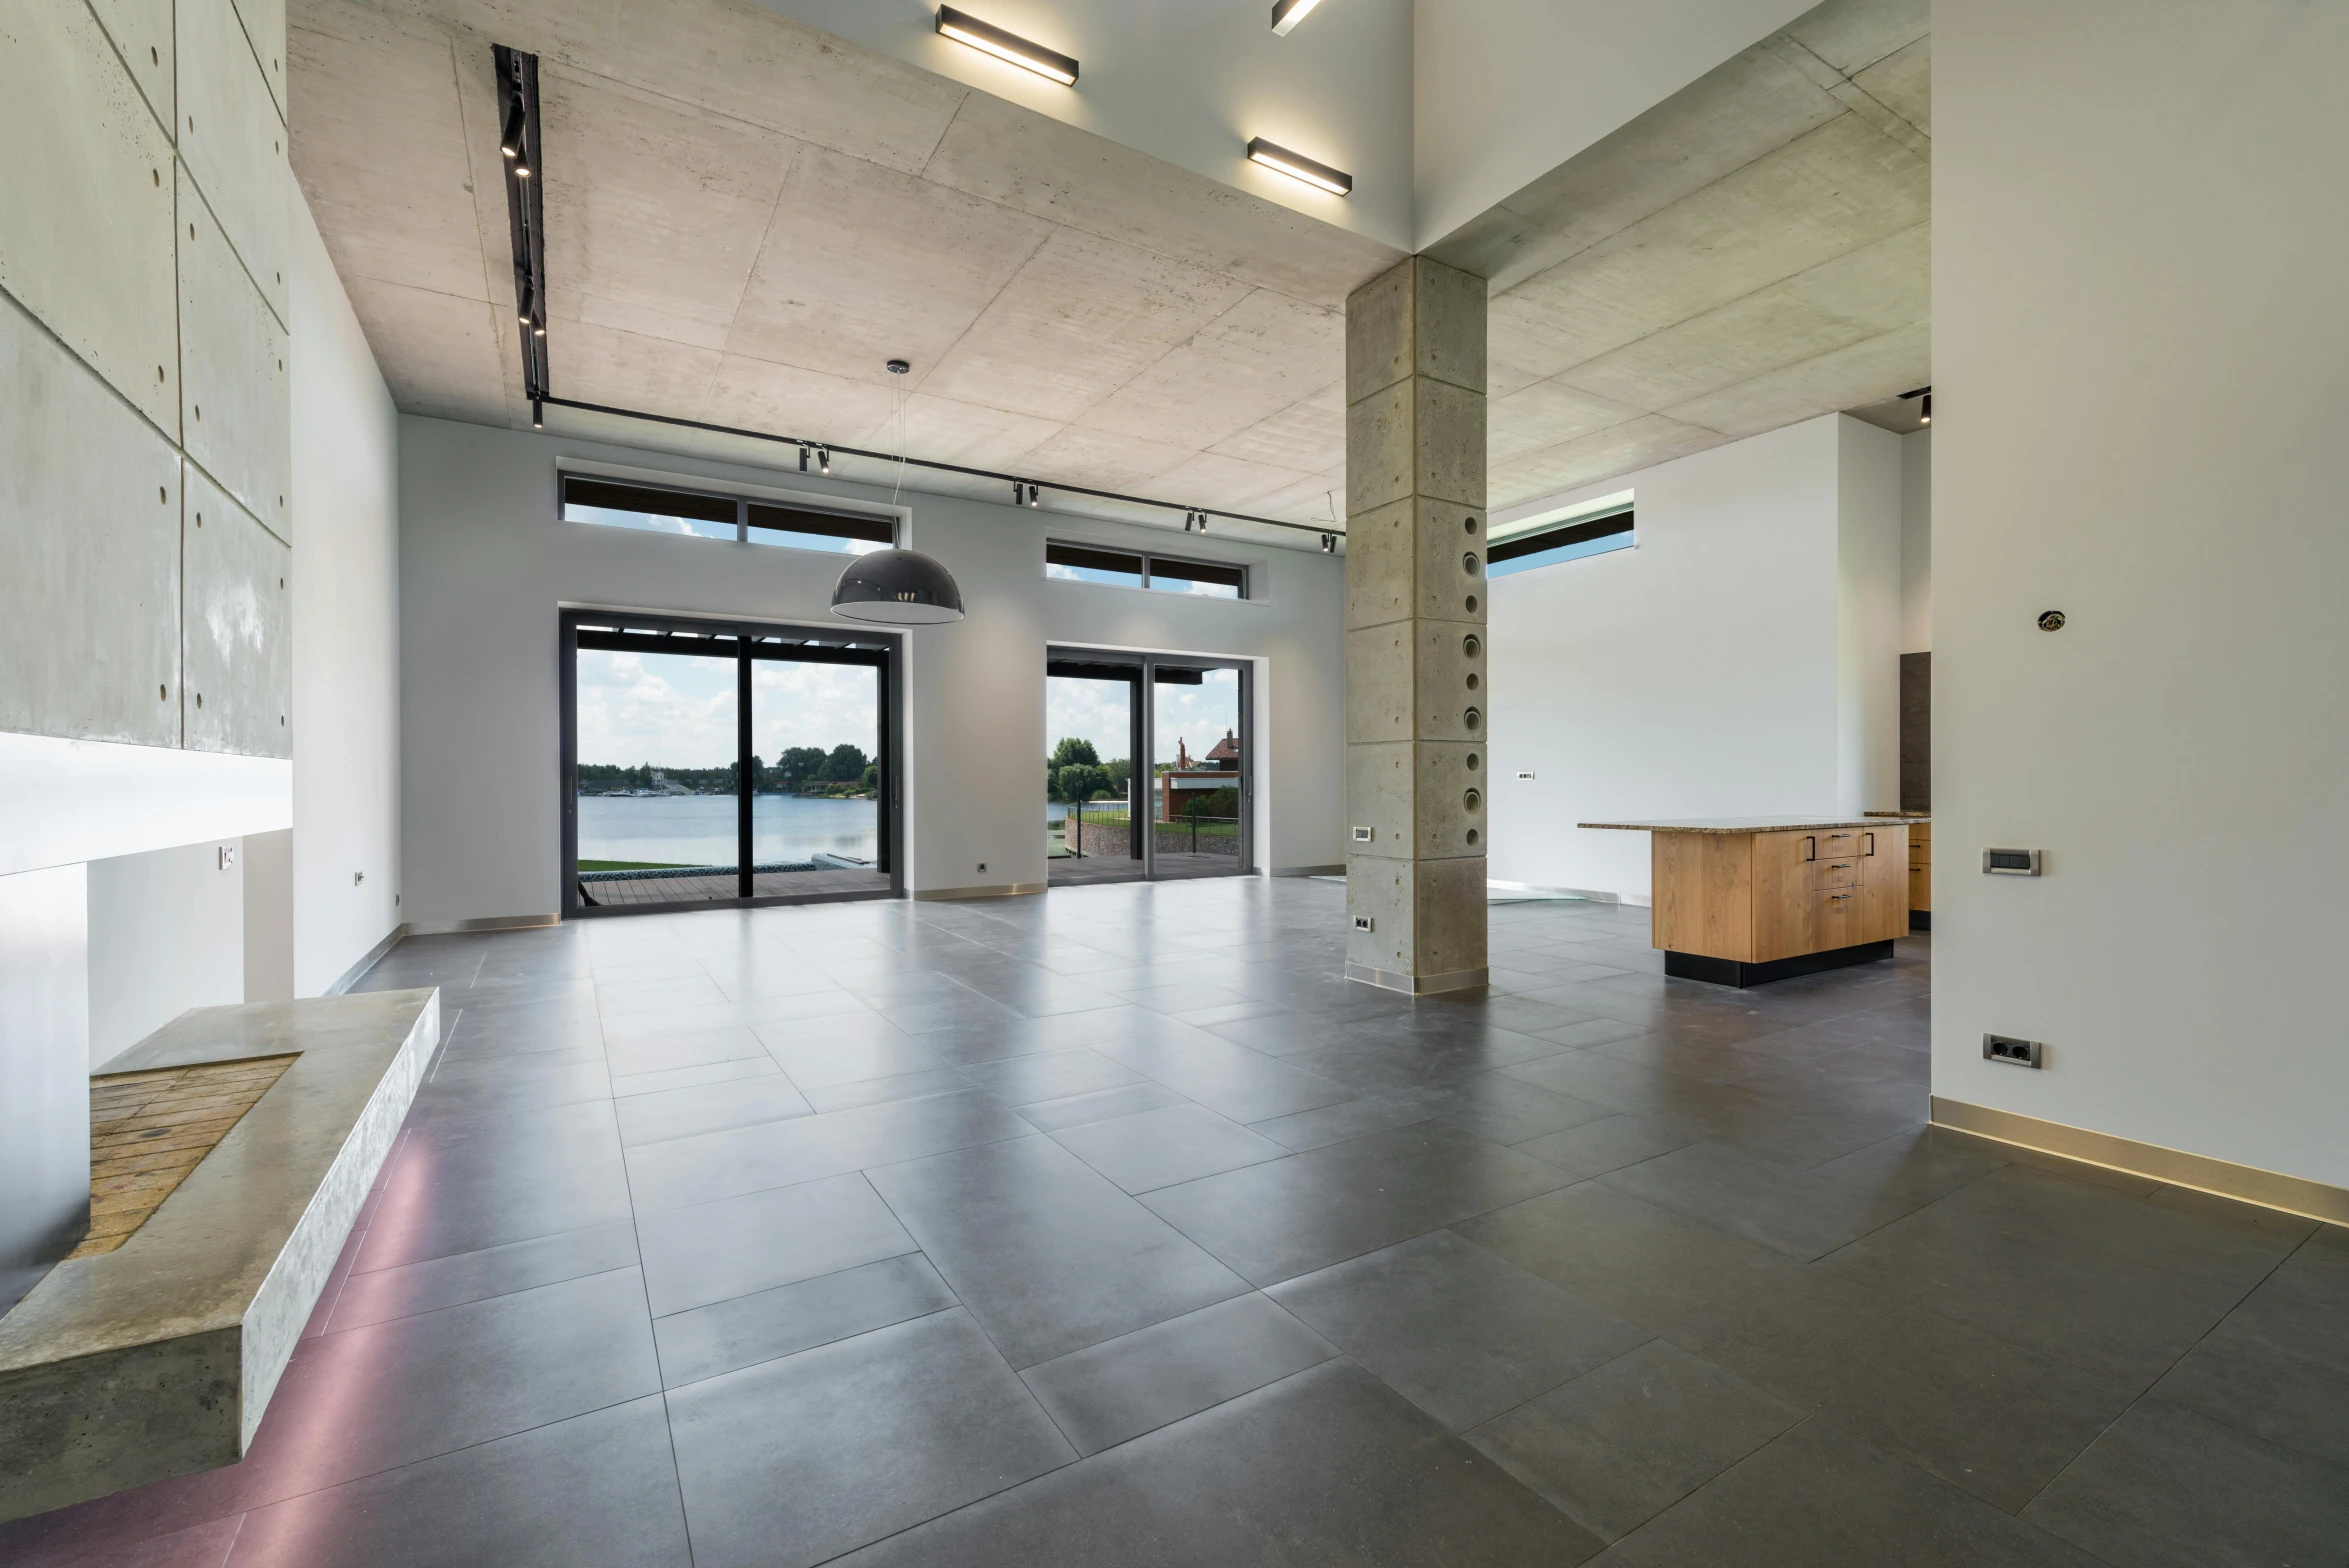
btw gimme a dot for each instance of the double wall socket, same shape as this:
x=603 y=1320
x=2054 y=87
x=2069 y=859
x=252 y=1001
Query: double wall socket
x=2014 y=1052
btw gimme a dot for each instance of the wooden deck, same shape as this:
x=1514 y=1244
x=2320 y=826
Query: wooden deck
x=764 y=884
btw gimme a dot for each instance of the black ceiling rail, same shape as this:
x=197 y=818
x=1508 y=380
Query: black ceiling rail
x=519 y=143
x=522 y=152
x=810 y=444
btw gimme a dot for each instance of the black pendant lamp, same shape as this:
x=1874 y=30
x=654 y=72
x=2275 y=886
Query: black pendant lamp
x=897 y=588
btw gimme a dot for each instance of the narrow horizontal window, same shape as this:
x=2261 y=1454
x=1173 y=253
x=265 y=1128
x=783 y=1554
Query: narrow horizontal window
x=803 y=528
x=1593 y=536
x=1211 y=579
x=616 y=505
x=1079 y=563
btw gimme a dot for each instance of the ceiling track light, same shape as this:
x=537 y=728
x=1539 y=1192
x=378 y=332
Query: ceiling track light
x=1299 y=167
x=1035 y=495
x=824 y=461
x=517 y=83
x=1009 y=47
x=1286 y=14
x=1924 y=400
x=1329 y=544
x=804 y=453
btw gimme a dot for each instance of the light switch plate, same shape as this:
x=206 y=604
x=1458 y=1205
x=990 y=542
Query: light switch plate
x=1362 y=835
x=228 y=857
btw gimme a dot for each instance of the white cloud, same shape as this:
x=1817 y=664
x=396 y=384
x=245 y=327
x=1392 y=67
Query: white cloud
x=677 y=710
x=1196 y=716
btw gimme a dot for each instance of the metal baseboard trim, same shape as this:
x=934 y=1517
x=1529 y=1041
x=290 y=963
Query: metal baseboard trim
x=486 y=923
x=1337 y=870
x=367 y=960
x=2314 y=1200
x=1420 y=985
x=942 y=895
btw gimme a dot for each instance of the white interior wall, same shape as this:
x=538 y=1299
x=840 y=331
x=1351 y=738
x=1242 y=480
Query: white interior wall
x=166 y=933
x=266 y=863
x=2145 y=199
x=1868 y=587
x=1916 y=542
x=1740 y=659
x=1694 y=675
x=485 y=569
x=346 y=841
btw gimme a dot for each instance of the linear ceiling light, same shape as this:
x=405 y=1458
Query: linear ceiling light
x=965 y=29
x=1288 y=13
x=1299 y=167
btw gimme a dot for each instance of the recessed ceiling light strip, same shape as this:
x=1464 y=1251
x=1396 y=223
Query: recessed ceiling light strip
x=518 y=142
x=1299 y=167
x=987 y=38
x=1286 y=14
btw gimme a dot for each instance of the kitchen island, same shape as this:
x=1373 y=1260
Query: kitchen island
x=1743 y=901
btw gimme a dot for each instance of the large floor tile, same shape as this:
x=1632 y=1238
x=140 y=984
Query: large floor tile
x=1100 y=1105
x=1818 y=1496
x=713 y=1251
x=597 y=1489
x=1457 y=1330
x=464 y=1182
x=1625 y=1441
x=381 y=1294
x=1049 y=1075
x=1048 y=1254
x=795 y=1461
x=2080 y=1273
x=1801 y=1215
x=1152 y=1149
x=766 y=1325
x=709 y=1166
x=710 y=1107
x=1328 y=1468
x=1107 y=1393
x=2166 y=1488
x=1594 y=1148
x=1290 y=1216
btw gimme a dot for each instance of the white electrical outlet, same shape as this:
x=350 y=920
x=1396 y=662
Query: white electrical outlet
x=1364 y=923
x=1362 y=835
x=1525 y=776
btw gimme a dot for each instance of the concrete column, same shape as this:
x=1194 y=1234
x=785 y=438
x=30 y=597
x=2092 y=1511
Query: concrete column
x=1415 y=628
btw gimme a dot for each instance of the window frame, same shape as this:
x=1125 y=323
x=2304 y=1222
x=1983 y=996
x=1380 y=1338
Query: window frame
x=1242 y=570
x=1620 y=522
x=615 y=493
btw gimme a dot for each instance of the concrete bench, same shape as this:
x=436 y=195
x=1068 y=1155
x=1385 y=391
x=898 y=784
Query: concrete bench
x=158 y=1358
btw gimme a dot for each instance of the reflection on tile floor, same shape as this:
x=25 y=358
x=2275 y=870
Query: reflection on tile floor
x=1114 y=1227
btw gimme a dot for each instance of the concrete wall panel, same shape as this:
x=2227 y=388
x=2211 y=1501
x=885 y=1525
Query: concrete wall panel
x=233 y=141
x=236 y=405
x=89 y=552
x=85 y=213
x=239 y=628
x=141 y=30
x=264 y=24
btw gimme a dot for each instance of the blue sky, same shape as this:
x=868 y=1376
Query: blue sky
x=675 y=710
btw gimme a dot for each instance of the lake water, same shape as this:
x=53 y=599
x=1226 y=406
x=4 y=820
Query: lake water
x=698 y=830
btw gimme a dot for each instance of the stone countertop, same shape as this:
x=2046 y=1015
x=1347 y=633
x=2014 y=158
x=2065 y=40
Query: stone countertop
x=1754 y=824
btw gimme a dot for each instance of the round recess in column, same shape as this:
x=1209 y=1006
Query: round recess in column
x=1470 y=564
x=1472 y=800
x=1471 y=645
x=1468 y=526
x=1474 y=762
x=1472 y=604
x=1472 y=680
x=1474 y=718
x=1472 y=838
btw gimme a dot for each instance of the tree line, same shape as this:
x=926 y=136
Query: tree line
x=796 y=770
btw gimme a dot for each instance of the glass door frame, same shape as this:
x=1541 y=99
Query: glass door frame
x=700 y=636
x=1141 y=777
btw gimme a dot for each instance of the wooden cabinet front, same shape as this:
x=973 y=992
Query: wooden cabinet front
x=1884 y=884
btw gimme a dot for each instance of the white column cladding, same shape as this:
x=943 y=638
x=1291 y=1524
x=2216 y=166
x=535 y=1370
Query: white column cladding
x=44 y=1073
x=1415 y=629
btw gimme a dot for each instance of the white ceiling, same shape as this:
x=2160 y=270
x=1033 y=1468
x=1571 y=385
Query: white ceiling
x=748 y=216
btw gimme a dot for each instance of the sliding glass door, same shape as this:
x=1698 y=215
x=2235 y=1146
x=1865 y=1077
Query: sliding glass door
x=719 y=762
x=1177 y=798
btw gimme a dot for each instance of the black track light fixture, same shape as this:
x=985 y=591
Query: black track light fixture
x=516 y=123
x=537 y=415
x=803 y=456
x=1329 y=544
x=1923 y=397
x=824 y=461
x=517 y=82
x=1019 y=491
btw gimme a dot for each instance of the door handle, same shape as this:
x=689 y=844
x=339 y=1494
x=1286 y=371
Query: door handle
x=1871 y=838
x=1813 y=841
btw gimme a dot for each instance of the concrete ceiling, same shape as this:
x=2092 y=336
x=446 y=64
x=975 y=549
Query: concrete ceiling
x=1752 y=251
x=746 y=217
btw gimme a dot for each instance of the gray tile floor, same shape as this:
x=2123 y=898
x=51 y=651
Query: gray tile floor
x=1110 y=1227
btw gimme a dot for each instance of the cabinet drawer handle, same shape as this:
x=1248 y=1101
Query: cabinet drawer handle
x=1871 y=838
x=1836 y=897
x=1813 y=841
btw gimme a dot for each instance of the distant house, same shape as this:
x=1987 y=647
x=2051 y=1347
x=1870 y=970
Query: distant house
x=1179 y=785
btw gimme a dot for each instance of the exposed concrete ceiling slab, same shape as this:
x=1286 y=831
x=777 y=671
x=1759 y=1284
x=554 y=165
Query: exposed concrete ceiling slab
x=1753 y=251
x=747 y=216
